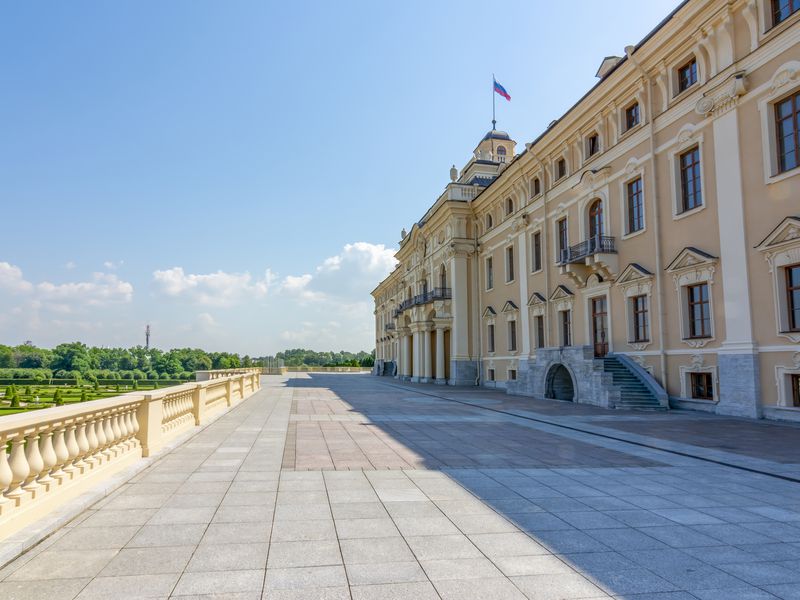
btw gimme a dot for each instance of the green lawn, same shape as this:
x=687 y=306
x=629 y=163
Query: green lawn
x=35 y=397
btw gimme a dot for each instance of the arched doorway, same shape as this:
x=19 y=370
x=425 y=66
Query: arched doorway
x=559 y=385
x=596 y=219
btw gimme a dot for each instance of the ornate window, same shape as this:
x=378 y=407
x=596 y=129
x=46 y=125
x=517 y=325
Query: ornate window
x=501 y=154
x=693 y=274
x=561 y=168
x=565 y=321
x=635 y=206
x=787 y=130
x=512 y=336
x=489 y=221
x=489 y=273
x=691 y=192
x=596 y=219
x=687 y=75
x=536 y=187
x=641 y=319
x=536 y=251
x=592 y=145
x=509 y=206
x=562 y=236
x=792 y=273
x=510 y=275
x=783 y=9
x=632 y=116
x=539 y=326
x=490 y=337
x=702 y=386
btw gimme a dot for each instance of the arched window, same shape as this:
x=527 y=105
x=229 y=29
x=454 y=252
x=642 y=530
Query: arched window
x=536 y=187
x=489 y=222
x=501 y=154
x=443 y=277
x=509 y=206
x=596 y=219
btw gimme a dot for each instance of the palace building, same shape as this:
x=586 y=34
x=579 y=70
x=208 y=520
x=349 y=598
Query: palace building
x=643 y=251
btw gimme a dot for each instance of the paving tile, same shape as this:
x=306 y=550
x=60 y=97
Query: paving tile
x=52 y=589
x=460 y=568
x=149 y=561
x=395 y=591
x=326 y=593
x=129 y=586
x=168 y=535
x=96 y=538
x=228 y=557
x=365 y=528
x=305 y=577
x=295 y=531
x=303 y=554
x=559 y=586
x=211 y=583
x=63 y=564
x=172 y=516
x=471 y=589
x=243 y=514
x=507 y=544
x=375 y=550
x=232 y=533
x=412 y=526
x=391 y=572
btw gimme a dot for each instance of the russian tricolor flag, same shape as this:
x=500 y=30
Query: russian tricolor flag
x=501 y=90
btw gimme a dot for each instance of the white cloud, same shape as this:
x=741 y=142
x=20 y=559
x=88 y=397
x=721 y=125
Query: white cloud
x=211 y=289
x=206 y=321
x=113 y=266
x=11 y=279
x=103 y=289
x=70 y=265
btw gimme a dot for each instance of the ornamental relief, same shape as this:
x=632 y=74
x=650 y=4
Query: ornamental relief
x=702 y=275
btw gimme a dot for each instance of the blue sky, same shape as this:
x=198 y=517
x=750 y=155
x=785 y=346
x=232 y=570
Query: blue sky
x=237 y=173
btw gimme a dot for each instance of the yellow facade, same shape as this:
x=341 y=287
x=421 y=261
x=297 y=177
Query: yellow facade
x=681 y=212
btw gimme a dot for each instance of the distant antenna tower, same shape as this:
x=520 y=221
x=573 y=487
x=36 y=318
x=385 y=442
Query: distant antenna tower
x=147 y=337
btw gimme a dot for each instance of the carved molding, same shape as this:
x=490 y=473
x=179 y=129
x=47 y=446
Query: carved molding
x=724 y=100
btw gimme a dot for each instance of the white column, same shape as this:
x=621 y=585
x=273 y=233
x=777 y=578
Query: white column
x=416 y=367
x=426 y=341
x=459 y=342
x=440 y=378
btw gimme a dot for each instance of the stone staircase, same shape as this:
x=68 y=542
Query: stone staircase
x=633 y=393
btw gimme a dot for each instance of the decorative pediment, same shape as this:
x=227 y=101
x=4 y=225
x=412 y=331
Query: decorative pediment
x=690 y=258
x=591 y=179
x=633 y=273
x=561 y=292
x=787 y=232
x=509 y=306
x=536 y=299
x=489 y=312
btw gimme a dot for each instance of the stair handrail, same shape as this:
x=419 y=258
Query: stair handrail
x=644 y=376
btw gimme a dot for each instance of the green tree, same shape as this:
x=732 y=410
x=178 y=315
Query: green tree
x=14 y=401
x=84 y=396
x=58 y=398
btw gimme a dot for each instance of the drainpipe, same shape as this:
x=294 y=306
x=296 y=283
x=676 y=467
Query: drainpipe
x=656 y=218
x=477 y=290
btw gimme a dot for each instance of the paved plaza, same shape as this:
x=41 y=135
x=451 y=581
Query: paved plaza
x=328 y=487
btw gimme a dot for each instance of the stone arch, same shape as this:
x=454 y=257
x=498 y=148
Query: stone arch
x=559 y=383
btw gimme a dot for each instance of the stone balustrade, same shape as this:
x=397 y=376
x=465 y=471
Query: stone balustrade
x=220 y=373
x=51 y=455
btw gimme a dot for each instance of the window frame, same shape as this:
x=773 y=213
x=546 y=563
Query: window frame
x=565 y=327
x=628 y=126
x=511 y=374
x=490 y=374
x=488 y=272
x=794 y=390
x=537 y=257
x=696 y=181
x=706 y=316
x=794 y=99
x=512 y=335
x=794 y=8
x=509 y=264
x=682 y=85
x=509 y=206
x=629 y=213
x=539 y=338
x=635 y=313
x=557 y=168
x=592 y=147
x=792 y=320
x=490 y=338
x=559 y=238
x=707 y=385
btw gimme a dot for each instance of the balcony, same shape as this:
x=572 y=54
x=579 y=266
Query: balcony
x=596 y=255
x=389 y=327
x=440 y=293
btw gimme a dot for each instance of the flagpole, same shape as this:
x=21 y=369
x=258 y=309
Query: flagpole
x=494 y=100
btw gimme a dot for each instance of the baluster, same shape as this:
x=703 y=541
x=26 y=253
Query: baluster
x=129 y=433
x=123 y=430
x=108 y=434
x=135 y=425
x=19 y=467
x=83 y=447
x=115 y=429
x=49 y=458
x=5 y=473
x=73 y=450
x=62 y=454
x=35 y=462
x=101 y=439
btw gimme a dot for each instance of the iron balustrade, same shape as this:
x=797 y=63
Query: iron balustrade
x=439 y=293
x=599 y=244
x=389 y=327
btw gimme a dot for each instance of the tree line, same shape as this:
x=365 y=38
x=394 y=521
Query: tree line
x=76 y=360
x=299 y=357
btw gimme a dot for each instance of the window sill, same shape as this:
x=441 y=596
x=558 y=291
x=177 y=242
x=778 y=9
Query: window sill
x=639 y=341
x=782 y=176
x=630 y=130
x=633 y=234
x=685 y=92
x=537 y=271
x=696 y=338
x=510 y=282
x=688 y=213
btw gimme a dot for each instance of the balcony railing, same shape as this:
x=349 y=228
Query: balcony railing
x=389 y=327
x=599 y=244
x=439 y=293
